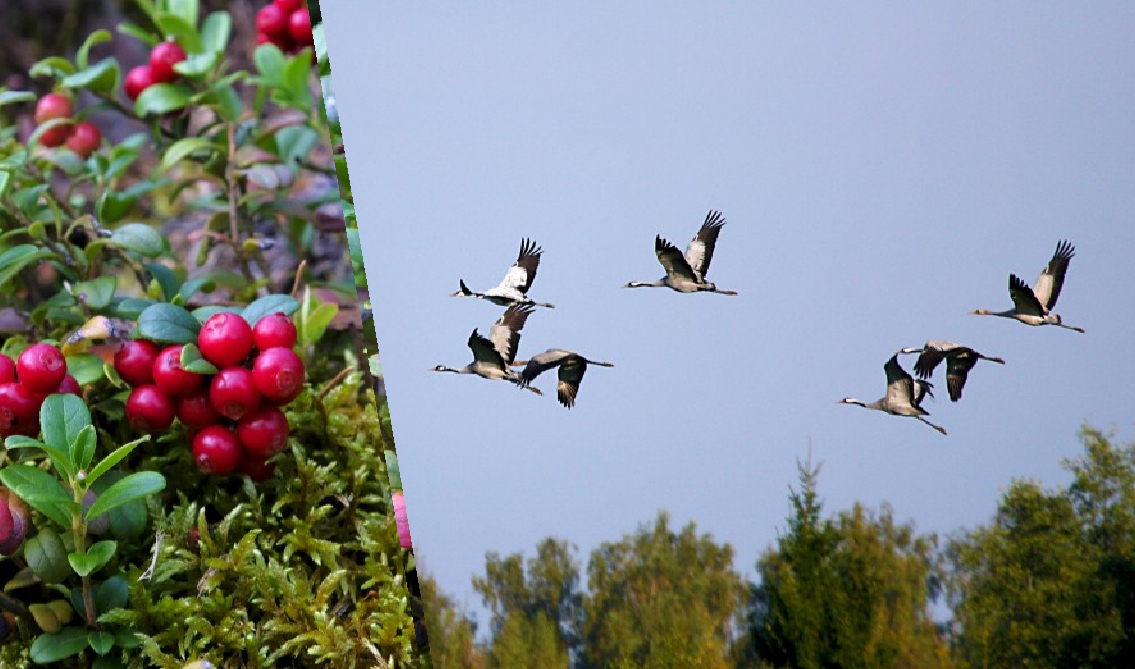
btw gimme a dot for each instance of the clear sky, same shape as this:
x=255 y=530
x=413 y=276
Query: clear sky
x=883 y=167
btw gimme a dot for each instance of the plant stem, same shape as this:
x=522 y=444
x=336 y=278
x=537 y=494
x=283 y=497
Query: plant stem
x=79 y=529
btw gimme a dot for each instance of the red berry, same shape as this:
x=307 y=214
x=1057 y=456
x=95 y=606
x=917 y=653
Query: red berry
x=171 y=378
x=272 y=21
x=148 y=409
x=264 y=432
x=233 y=393
x=288 y=6
x=254 y=467
x=216 y=450
x=138 y=79
x=162 y=59
x=402 y=520
x=299 y=27
x=7 y=369
x=225 y=339
x=41 y=367
x=51 y=107
x=197 y=412
x=261 y=38
x=19 y=411
x=279 y=374
x=70 y=386
x=274 y=330
x=85 y=139
x=134 y=362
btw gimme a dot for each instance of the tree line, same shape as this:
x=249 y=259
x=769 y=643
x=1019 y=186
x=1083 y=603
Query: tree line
x=1047 y=582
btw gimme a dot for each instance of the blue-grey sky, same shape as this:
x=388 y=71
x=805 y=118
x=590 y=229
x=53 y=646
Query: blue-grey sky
x=883 y=167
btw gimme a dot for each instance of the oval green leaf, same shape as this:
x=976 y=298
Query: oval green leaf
x=68 y=641
x=167 y=323
x=134 y=486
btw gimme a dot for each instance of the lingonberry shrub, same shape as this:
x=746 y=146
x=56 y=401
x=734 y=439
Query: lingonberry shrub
x=212 y=185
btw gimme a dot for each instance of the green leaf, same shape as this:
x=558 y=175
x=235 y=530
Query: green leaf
x=139 y=238
x=167 y=323
x=101 y=77
x=68 y=641
x=392 y=470
x=60 y=458
x=87 y=368
x=134 y=486
x=128 y=522
x=270 y=64
x=40 y=490
x=269 y=304
x=101 y=642
x=15 y=259
x=113 y=458
x=131 y=307
x=177 y=27
x=314 y=322
x=97 y=37
x=63 y=417
x=186 y=10
x=84 y=448
x=167 y=279
x=113 y=593
x=192 y=361
x=162 y=99
x=137 y=32
x=202 y=284
x=97 y=293
x=203 y=314
x=186 y=147
x=13 y=97
x=293 y=143
x=94 y=559
x=47 y=556
x=52 y=66
x=215 y=32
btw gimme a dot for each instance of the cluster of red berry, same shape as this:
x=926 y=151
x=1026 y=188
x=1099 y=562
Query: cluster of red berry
x=40 y=371
x=83 y=138
x=158 y=71
x=233 y=414
x=285 y=23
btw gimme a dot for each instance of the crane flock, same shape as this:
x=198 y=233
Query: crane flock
x=494 y=357
x=1031 y=306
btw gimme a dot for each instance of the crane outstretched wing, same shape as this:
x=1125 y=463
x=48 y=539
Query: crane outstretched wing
x=541 y=363
x=484 y=350
x=570 y=375
x=1051 y=280
x=523 y=272
x=1024 y=299
x=700 y=251
x=505 y=333
x=672 y=260
x=958 y=366
x=900 y=384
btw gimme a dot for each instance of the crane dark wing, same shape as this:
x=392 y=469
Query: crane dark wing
x=700 y=251
x=928 y=361
x=505 y=333
x=1023 y=297
x=957 y=368
x=900 y=384
x=541 y=363
x=483 y=350
x=570 y=376
x=523 y=272
x=672 y=260
x=921 y=390
x=1051 y=280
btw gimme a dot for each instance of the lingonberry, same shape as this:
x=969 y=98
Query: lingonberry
x=162 y=59
x=225 y=339
x=99 y=524
x=197 y=412
x=14 y=512
x=19 y=411
x=274 y=330
x=50 y=107
x=216 y=450
x=134 y=362
x=255 y=467
x=279 y=374
x=7 y=369
x=148 y=409
x=233 y=393
x=288 y=6
x=70 y=385
x=263 y=432
x=272 y=21
x=138 y=79
x=41 y=367
x=85 y=139
x=299 y=27
x=171 y=378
